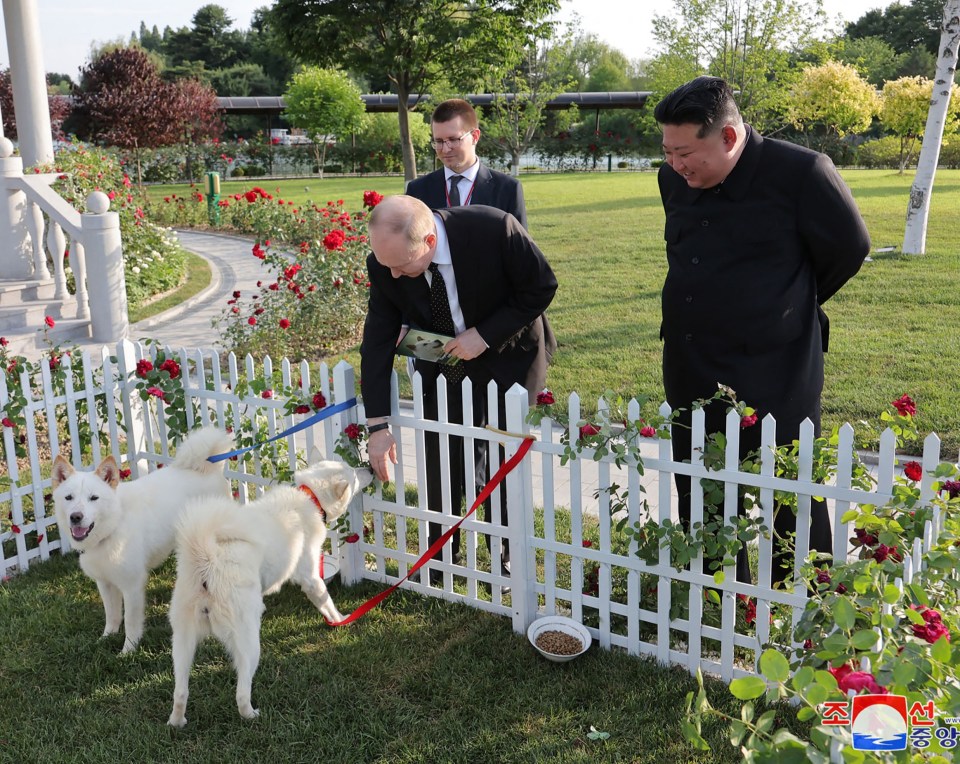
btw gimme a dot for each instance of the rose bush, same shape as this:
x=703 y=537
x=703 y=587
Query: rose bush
x=863 y=630
x=312 y=298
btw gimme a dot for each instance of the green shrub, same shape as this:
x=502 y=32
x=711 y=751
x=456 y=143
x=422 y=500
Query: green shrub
x=238 y=172
x=883 y=153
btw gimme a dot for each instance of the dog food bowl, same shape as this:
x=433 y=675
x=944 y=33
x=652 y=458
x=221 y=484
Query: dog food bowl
x=555 y=637
x=330 y=568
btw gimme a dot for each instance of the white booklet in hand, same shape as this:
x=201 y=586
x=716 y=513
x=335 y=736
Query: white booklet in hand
x=427 y=346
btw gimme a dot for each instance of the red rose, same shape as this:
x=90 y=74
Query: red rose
x=352 y=431
x=124 y=474
x=371 y=199
x=252 y=321
x=303 y=408
x=284 y=323
x=952 y=487
x=334 y=240
x=267 y=394
x=848 y=679
x=7 y=422
x=4 y=342
x=883 y=551
x=353 y=538
x=49 y=321
x=748 y=421
x=648 y=432
x=156 y=392
x=236 y=294
x=933 y=627
x=545 y=398
x=319 y=401
x=905 y=405
x=913 y=471
x=588 y=430
x=171 y=367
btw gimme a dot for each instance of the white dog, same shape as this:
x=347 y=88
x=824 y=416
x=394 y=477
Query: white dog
x=125 y=530
x=230 y=555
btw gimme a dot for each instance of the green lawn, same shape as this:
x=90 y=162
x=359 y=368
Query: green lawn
x=416 y=680
x=894 y=327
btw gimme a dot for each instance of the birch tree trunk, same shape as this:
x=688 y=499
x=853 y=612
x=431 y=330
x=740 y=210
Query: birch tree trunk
x=918 y=209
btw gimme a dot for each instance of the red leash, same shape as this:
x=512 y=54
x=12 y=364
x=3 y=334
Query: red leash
x=504 y=470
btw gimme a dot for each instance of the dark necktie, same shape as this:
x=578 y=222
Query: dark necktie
x=455 y=190
x=443 y=319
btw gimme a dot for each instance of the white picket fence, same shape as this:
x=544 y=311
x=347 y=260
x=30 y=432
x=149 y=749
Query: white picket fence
x=643 y=609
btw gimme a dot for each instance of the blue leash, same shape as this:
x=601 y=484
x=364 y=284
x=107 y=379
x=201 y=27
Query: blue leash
x=322 y=414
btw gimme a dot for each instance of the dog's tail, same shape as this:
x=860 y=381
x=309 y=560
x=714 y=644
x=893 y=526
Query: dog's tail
x=192 y=453
x=213 y=558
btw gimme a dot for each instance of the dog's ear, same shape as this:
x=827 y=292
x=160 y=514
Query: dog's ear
x=109 y=472
x=62 y=469
x=315 y=456
x=340 y=488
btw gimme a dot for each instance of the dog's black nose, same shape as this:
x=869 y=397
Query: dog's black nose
x=76 y=518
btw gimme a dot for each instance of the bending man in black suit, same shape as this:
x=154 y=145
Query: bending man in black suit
x=456 y=132
x=760 y=233
x=498 y=284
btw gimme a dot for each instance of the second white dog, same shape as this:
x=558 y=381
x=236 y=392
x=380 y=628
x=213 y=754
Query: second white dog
x=230 y=555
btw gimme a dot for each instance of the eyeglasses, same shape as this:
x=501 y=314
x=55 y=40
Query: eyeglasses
x=439 y=143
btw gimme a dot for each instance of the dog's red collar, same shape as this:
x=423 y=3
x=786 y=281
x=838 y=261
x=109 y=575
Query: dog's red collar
x=315 y=500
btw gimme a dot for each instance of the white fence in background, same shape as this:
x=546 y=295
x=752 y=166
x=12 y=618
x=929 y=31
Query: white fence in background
x=627 y=604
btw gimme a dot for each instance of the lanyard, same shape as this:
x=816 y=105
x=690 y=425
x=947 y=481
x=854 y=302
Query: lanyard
x=465 y=202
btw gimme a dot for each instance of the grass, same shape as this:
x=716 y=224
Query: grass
x=196 y=279
x=416 y=680
x=893 y=327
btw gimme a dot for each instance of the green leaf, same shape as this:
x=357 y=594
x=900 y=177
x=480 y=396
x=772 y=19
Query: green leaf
x=719 y=577
x=891 y=594
x=693 y=736
x=806 y=713
x=748 y=687
x=817 y=693
x=864 y=639
x=903 y=673
x=802 y=678
x=941 y=650
x=844 y=614
x=774 y=666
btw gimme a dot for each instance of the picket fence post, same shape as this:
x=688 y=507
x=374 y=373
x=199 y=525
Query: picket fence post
x=519 y=488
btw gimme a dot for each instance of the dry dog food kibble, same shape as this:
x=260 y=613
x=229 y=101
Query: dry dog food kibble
x=558 y=643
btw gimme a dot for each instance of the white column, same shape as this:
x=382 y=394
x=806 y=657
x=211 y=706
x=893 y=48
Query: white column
x=28 y=77
x=16 y=249
x=106 y=284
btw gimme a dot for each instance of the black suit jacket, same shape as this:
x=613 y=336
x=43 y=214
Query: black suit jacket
x=750 y=263
x=504 y=284
x=492 y=188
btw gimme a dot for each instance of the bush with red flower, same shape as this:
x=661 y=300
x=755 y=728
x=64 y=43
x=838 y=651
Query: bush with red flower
x=871 y=625
x=315 y=284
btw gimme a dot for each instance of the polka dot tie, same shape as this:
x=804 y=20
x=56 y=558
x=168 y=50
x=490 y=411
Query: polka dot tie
x=455 y=190
x=443 y=319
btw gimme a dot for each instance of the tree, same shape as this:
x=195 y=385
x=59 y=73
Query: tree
x=872 y=57
x=834 y=98
x=123 y=101
x=918 y=210
x=520 y=97
x=746 y=42
x=414 y=42
x=903 y=27
x=904 y=104
x=326 y=104
x=59 y=108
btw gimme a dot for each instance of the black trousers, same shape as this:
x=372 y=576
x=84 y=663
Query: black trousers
x=455 y=454
x=785 y=521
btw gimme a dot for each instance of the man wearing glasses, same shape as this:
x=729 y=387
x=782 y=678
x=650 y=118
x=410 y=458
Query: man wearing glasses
x=463 y=179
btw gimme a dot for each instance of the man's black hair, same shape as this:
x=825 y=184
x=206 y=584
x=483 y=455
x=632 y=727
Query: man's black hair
x=705 y=101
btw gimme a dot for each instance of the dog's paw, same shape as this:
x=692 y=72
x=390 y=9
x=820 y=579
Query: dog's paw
x=128 y=647
x=177 y=720
x=250 y=713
